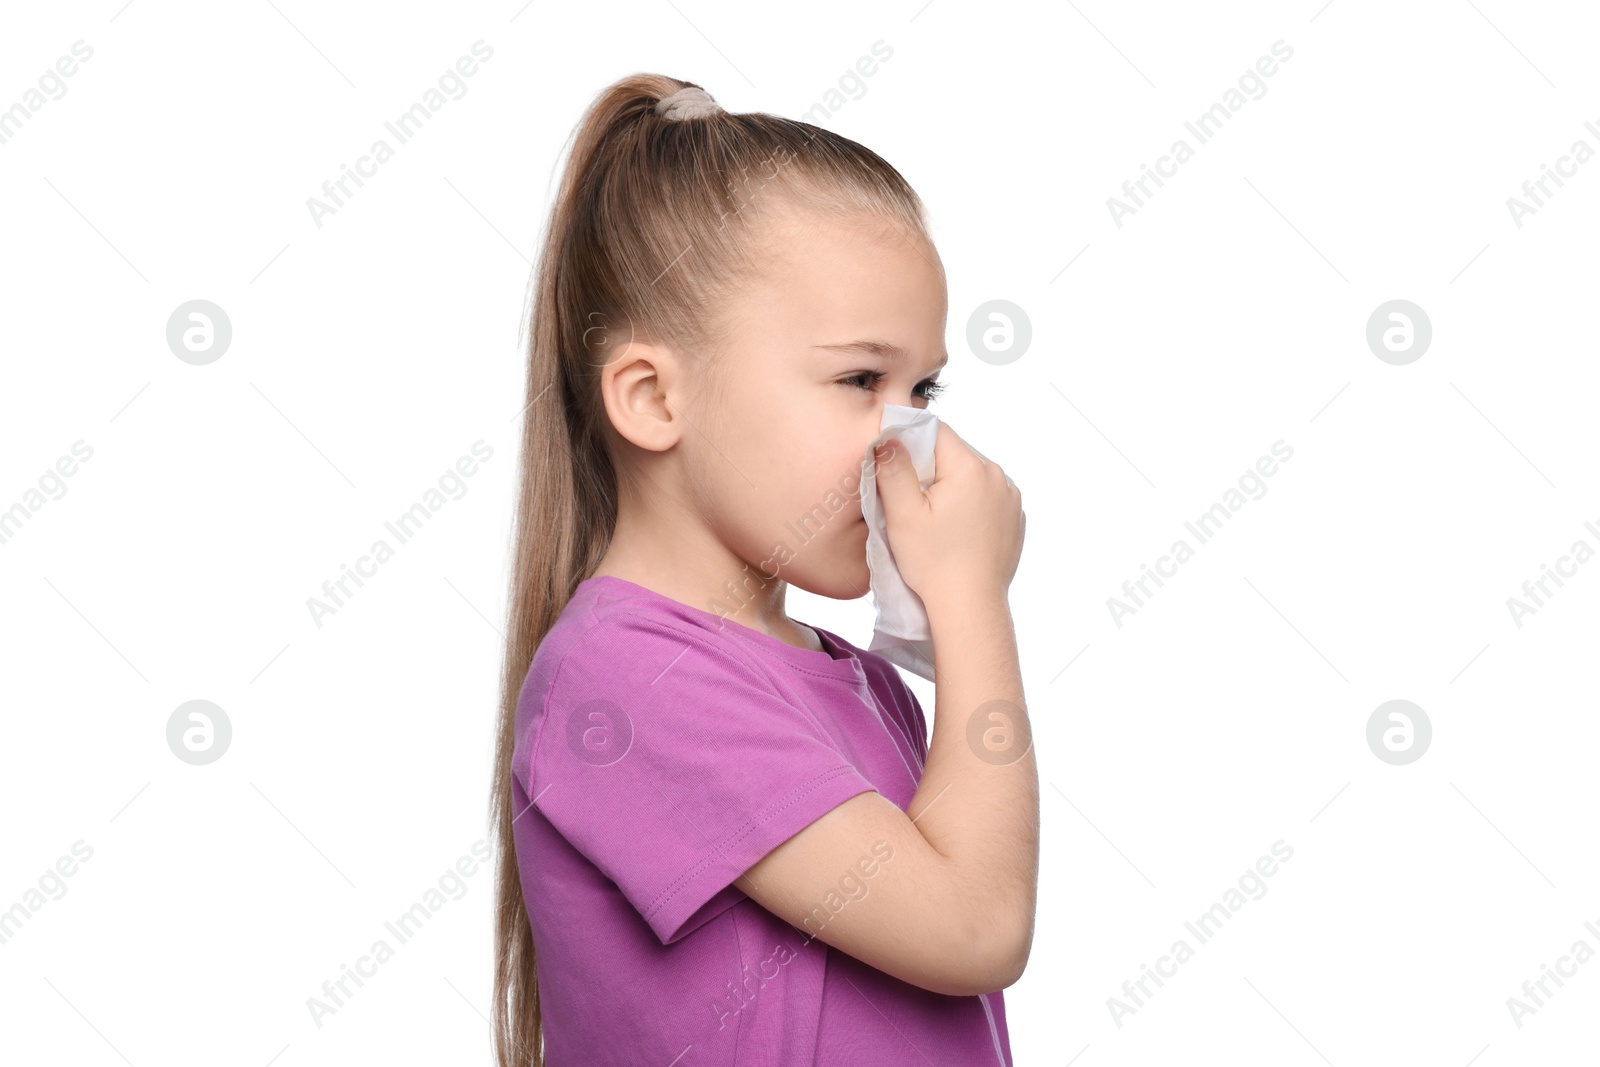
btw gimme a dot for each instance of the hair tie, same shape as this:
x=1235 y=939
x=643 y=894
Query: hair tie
x=690 y=102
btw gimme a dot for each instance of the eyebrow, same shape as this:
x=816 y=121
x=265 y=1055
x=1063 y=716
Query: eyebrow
x=885 y=349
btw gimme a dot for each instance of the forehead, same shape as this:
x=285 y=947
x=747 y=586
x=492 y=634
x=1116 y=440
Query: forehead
x=822 y=280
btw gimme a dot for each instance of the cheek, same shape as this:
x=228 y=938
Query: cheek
x=826 y=488
x=813 y=462
x=846 y=470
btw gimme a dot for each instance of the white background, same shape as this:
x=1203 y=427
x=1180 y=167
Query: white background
x=1168 y=354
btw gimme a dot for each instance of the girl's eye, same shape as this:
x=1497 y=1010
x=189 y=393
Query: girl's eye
x=869 y=379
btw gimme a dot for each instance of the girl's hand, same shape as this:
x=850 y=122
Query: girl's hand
x=960 y=538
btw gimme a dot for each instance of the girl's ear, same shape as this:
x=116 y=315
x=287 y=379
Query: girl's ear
x=638 y=386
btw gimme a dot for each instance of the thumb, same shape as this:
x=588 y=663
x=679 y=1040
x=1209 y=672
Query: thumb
x=898 y=487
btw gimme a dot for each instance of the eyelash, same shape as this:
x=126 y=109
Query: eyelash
x=933 y=388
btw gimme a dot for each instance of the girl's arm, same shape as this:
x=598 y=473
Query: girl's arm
x=952 y=909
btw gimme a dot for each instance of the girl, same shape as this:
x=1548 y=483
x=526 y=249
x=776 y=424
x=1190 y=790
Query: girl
x=724 y=836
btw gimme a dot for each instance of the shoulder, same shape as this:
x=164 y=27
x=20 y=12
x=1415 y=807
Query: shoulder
x=643 y=642
x=633 y=661
x=632 y=643
x=618 y=650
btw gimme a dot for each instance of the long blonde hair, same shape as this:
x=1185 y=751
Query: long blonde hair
x=649 y=232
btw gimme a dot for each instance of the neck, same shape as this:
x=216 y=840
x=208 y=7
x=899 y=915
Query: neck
x=696 y=569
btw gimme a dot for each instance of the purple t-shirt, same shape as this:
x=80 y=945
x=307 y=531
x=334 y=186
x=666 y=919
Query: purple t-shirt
x=661 y=751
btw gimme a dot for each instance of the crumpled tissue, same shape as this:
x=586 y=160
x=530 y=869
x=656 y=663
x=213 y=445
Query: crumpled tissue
x=901 y=634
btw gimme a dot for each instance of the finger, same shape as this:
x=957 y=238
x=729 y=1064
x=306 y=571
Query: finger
x=948 y=447
x=898 y=487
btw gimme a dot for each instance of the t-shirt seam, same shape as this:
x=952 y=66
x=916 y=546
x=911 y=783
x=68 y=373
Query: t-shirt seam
x=544 y=720
x=838 y=642
x=796 y=795
x=813 y=673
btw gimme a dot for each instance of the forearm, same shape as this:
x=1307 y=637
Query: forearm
x=978 y=802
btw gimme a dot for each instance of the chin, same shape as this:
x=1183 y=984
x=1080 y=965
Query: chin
x=842 y=581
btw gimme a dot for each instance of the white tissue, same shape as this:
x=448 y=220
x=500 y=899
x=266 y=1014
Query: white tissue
x=901 y=634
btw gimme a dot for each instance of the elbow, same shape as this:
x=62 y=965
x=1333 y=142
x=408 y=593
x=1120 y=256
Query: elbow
x=1017 y=948
x=1016 y=961
x=994 y=960
x=1011 y=959
x=992 y=940
x=1011 y=935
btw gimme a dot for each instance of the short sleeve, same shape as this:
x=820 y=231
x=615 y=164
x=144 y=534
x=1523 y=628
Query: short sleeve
x=673 y=764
